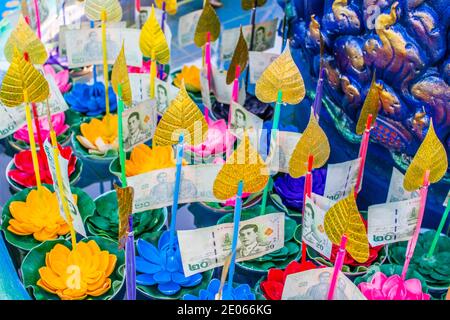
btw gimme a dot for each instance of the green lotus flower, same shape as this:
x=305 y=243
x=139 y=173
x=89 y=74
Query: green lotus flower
x=436 y=269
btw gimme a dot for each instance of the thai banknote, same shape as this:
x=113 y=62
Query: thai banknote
x=186 y=28
x=140 y=90
x=84 y=46
x=446 y=199
x=12 y=119
x=258 y=62
x=396 y=191
x=242 y=119
x=264 y=38
x=207 y=248
x=205 y=89
x=139 y=124
x=223 y=91
x=83 y=25
x=66 y=191
x=285 y=145
x=313 y=230
x=392 y=222
x=314 y=285
x=341 y=178
x=155 y=189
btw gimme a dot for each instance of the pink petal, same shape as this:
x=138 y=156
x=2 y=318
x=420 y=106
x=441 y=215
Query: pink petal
x=393 y=282
x=378 y=280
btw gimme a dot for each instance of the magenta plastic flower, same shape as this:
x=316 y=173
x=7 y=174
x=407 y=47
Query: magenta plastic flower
x=61 y=78
x=58 y=122
x=382 y=287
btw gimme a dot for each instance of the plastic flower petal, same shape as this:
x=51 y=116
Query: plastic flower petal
x=24 y=174
x=218 y=140
x=99 y=136
x=90 y=99
x=241 y=292
x=91 y=266
x=191 y=77
x=61 y=77
x=58 y=123
x=39 y=216
x=145 y=159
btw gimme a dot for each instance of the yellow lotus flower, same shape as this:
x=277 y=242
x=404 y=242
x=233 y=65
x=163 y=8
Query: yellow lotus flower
x=39 y=215
x=75 y=274
x=145 y=159
x=99 y=136
x=191 y=76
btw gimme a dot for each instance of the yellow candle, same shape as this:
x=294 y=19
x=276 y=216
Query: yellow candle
x=105 y=61
x=152 y=74
x=34 y=156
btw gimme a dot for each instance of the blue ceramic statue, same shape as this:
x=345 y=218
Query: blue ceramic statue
x=405 y=42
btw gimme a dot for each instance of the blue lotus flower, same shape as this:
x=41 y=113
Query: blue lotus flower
x=90 y=99
x=241 y=292
x=160 y=267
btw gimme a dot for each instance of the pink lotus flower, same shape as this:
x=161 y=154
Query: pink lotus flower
x=382 y=287
x=61 y=77
x=218 y=140
x=58 y=122
x=232 y=201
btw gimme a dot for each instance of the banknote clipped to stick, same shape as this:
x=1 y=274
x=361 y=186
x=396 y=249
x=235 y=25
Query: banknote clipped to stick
x=207 y=248
x=341 y=178
x=314 y=285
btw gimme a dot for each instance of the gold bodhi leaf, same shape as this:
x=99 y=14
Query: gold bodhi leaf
x=119 y=75
x=370 y=106
x=344 y=218
x=208 y=22
x=125 y=206
x=244 y=164
x=23 y=83
x=152 y=38
x=282 y=74
x=250 y=4
x=181 y=115
x=313 y=142
x=171 y=6
x=430 y=156
x=94 y=8
x=25 y=40
x=240 y=58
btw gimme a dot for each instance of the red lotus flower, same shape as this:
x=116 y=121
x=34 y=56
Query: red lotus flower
x=24 y=172
x=273 y=286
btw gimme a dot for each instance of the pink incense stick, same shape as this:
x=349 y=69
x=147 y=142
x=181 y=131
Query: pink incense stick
x=38 y=18
x=413 y=241
x=307 y=190
x=363 y=153
x=208 y=57
x=337 y=266
x=235 y=92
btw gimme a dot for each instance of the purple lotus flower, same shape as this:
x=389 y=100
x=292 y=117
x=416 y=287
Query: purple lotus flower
x=160 y=267
x=291 y=189
x=241 y=292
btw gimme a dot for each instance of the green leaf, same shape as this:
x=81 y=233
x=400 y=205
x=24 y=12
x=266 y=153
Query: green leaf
x=35 y=259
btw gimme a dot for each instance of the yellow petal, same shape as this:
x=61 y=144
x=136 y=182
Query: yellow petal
x=51 y=279
x=103 y=289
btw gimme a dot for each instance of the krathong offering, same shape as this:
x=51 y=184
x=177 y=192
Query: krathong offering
x=224 y=150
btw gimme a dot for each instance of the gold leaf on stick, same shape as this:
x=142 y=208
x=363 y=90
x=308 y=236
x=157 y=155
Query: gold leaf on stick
x=282 y=74
x=344 y=218
x=125 y=206
x=93 y=10
x=23 y=83
x=208 y=22
x=370 y=106
x=152 y=38
x=181 y=115
x=250 y=4
x=313 y=142
x=430 y=156
x=244 y=164
x=119 y=75
x=25 y=40
x=240 y=58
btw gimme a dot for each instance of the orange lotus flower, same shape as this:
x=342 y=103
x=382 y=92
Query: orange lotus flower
x=145 y=159
x=76 y=274
x=191 y=76
x=99 y=136
x=39 y=215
